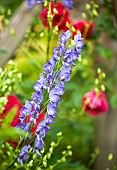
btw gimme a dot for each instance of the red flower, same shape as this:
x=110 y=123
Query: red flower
x=85 y=28
x=95 y=103
x=59 y=19
x=12 y=102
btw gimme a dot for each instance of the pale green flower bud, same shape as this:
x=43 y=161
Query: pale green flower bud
x=88 y=6
x=52 y=144
x=59 y=134
x=110 y=157
x=44 y=164
x=70 y=153
x=55 y=11
x=103 y=87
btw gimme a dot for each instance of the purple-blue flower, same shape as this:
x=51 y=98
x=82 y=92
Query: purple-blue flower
x=38 y=145
x=78 y=43
x=65 y=73
x=50 y=118
x=48 y=90
x=51 y=109
x=58 y=52
x=64 y=38
x=68 y=3
x=31 y=3
x=23 y=156
x=49 y=66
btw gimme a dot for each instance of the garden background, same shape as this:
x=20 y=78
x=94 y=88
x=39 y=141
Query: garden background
x=24 y=39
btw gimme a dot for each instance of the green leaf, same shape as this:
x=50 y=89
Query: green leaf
x=10 y=133
x=103 y=51
x=113 y=101
x=7 y=132
x=9 y=117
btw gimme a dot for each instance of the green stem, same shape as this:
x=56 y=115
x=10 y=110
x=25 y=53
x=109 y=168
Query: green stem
x=48 y=45
x=49 y=20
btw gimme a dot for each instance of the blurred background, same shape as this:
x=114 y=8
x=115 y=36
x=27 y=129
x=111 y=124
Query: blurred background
x=23 y=38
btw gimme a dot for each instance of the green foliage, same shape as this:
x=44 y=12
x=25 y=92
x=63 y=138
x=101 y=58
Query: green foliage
x=113 y=101
x=9 y=158
x=7 y=132
x=9 y=4
x=103 y=51
x=78 y=128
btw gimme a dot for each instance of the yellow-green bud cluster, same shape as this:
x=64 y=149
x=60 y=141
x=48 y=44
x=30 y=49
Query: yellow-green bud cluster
x=91 y=10
x=9 y=77
x=99 y=80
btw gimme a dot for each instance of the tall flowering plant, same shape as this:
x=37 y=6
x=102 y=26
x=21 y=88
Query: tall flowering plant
x=48 y=89
x=33 y=120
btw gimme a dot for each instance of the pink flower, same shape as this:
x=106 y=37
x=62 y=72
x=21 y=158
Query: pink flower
x=59 y=19
x=85 y=28
x=95 y=103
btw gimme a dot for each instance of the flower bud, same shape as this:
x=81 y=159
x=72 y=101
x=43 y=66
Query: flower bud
x=53 y=144
x=45 y=158
x=59 y=134
x=88 y=6
x=84 y=16
x=110 y=157
x=49 y=155
x=103 y=87
x=99 y=71
x=64 y=152
x=70 y=153
x=12 y=32
x=9 y=12
x=31 y=163
x=10 y=74
x=19 y=75
x=55 y=11
x=69 y=147
x=63 y=159
x=96 y=81
x=51 y=150
x=95 y=13
x=44 y=164
x=6 y=22
x=103 y=75
x=8 y=153
x=41 y=34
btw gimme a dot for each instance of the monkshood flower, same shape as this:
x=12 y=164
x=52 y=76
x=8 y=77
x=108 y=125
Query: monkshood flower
x=68 y=3
x=23 y=156
x=48 y=89
x=31 y=3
